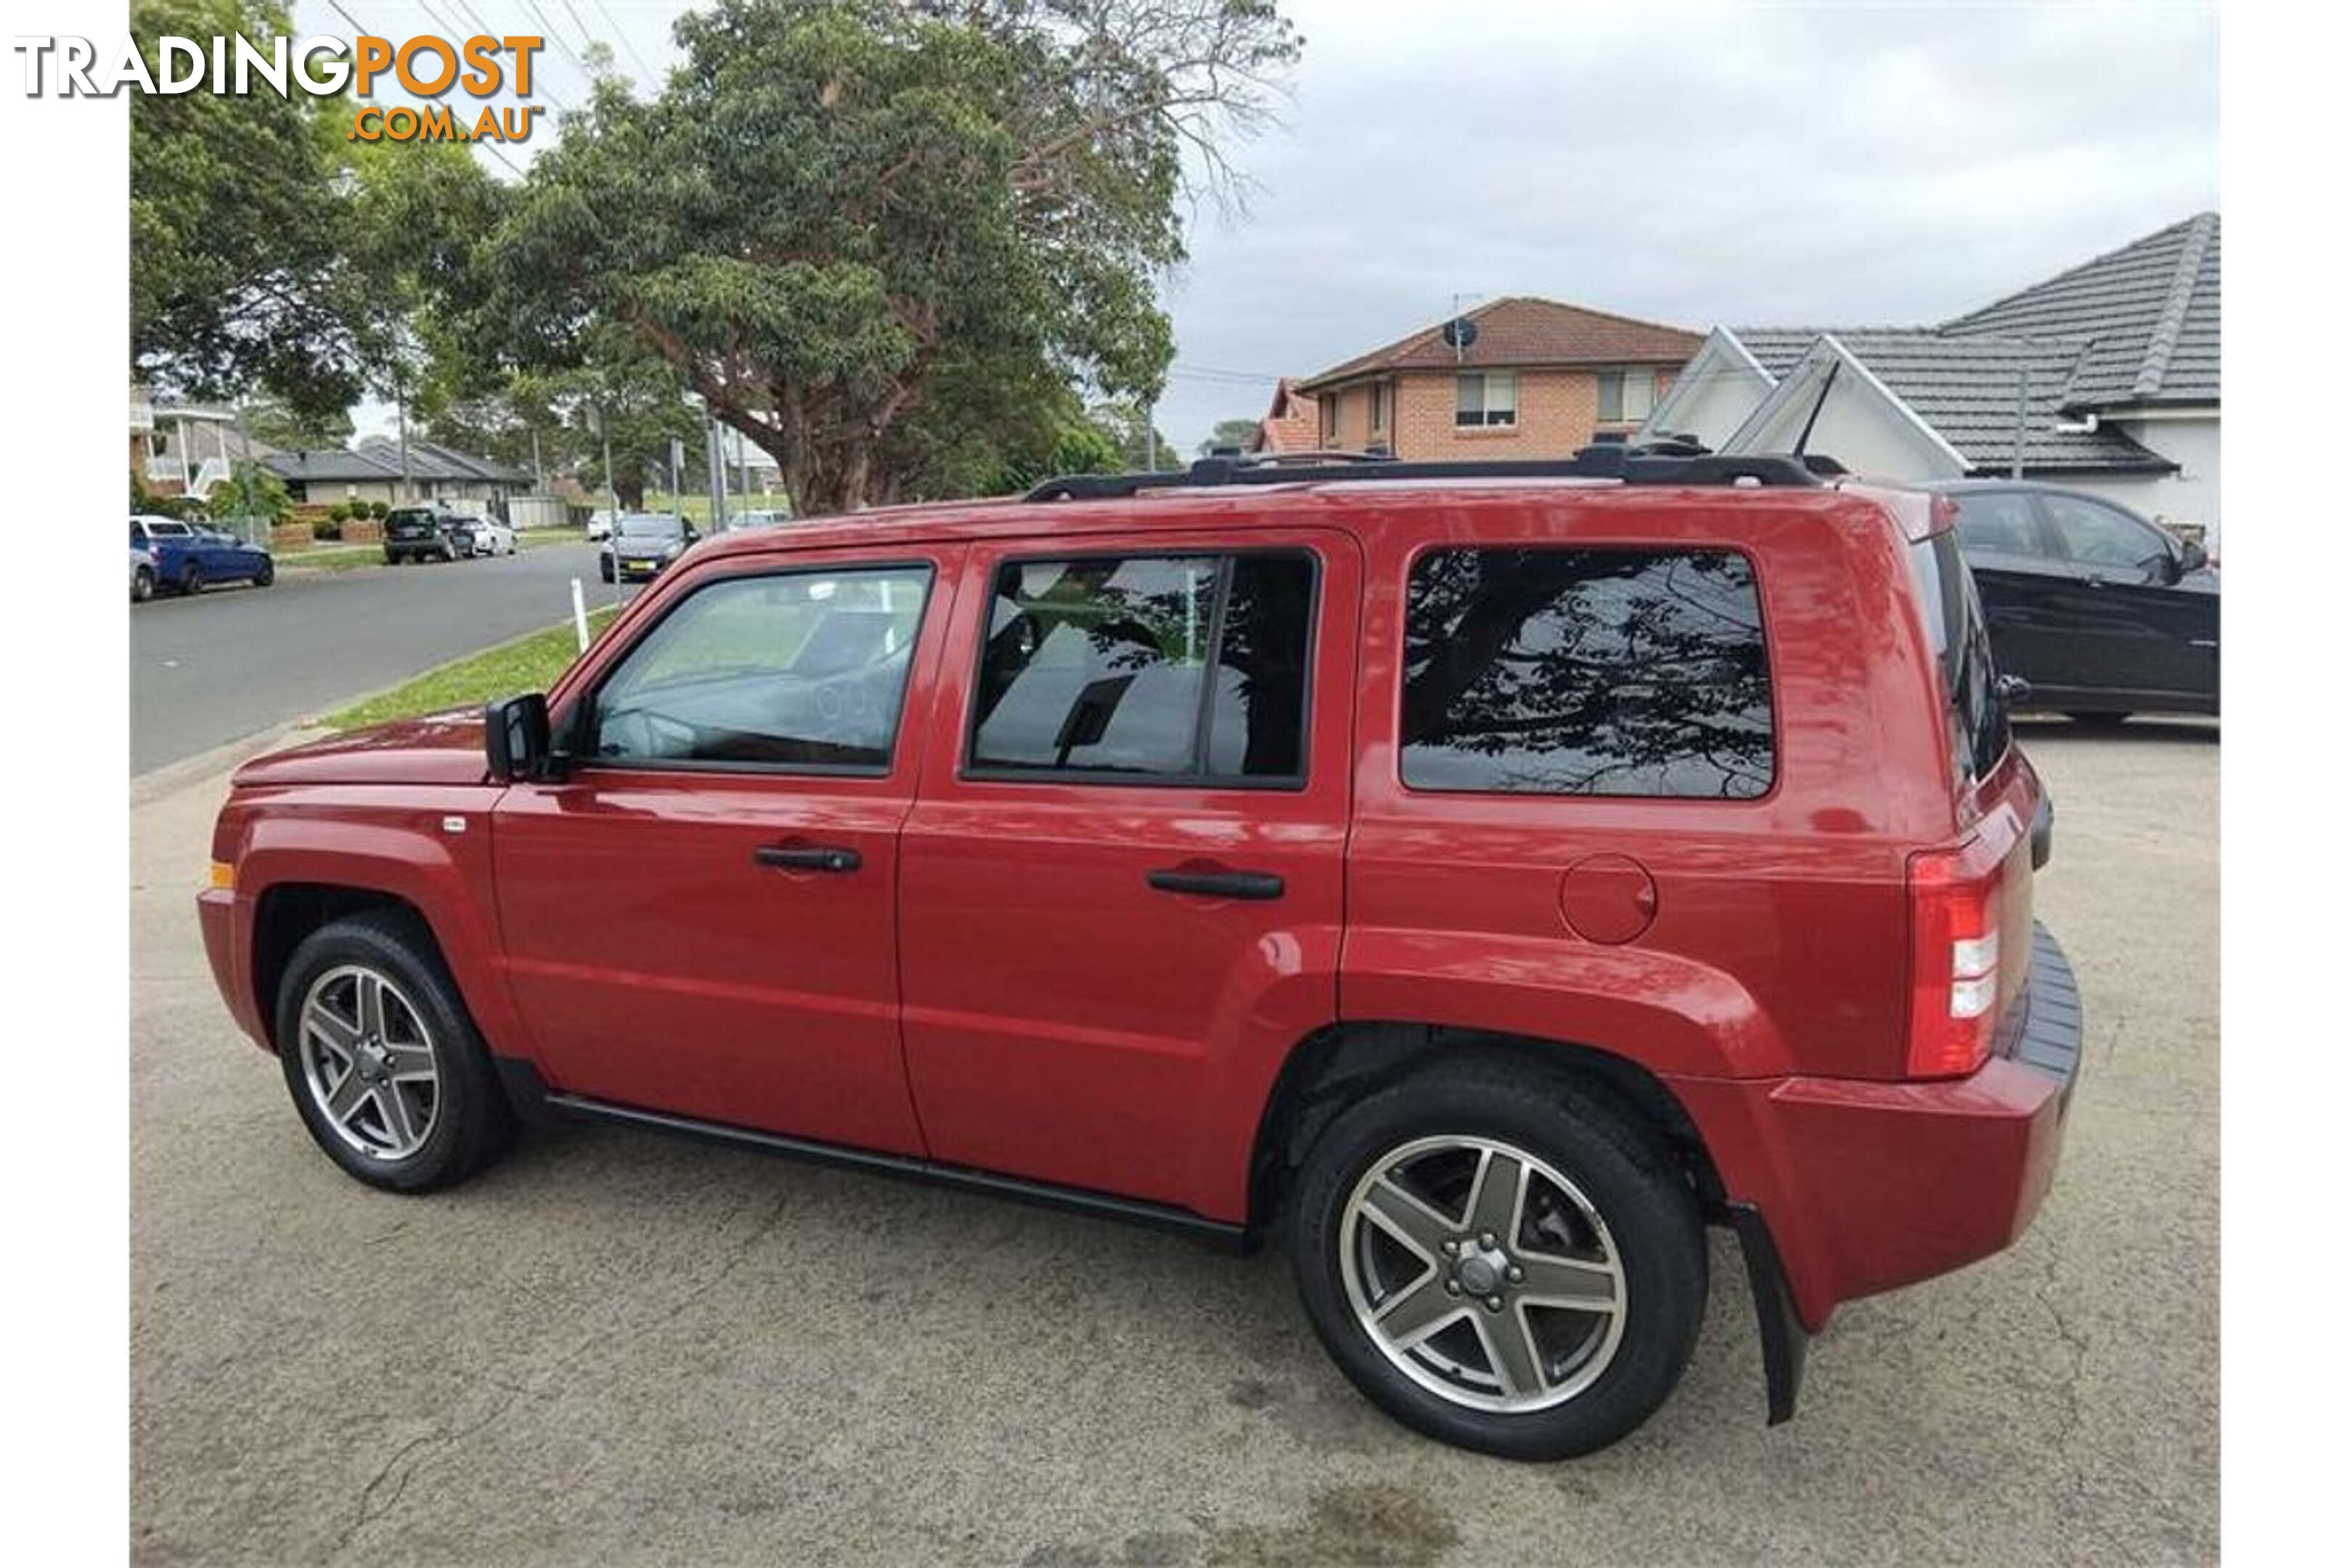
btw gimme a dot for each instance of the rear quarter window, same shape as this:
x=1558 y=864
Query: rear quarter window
x=1974 y=710
x=1586 y=671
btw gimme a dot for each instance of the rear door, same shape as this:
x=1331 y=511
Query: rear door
x=2026 y=587
x=1120 y=889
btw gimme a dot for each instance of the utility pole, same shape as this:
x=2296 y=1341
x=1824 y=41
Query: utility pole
x=1151 y=439
x=538 y=468
x=407 y=476
x=2017 y=452
x=713 y=473
x=605 y=434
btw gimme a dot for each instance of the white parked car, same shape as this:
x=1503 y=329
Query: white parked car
x=484 y=536
x=600 y=525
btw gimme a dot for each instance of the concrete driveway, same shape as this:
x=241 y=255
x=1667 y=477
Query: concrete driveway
x=617 y=1347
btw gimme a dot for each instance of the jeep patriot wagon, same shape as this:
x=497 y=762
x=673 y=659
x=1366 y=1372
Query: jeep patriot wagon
x=1481 y=878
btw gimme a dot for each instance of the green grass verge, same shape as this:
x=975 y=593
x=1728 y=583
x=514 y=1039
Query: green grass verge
x=529 y=663
x=333 y=557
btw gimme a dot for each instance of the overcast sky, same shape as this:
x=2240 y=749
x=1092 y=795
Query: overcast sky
x=1816 y=165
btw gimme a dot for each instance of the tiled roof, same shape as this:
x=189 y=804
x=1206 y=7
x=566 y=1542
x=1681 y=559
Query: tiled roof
x=377 y=460
x=1965 y=388
x=2149 y=314
x=332 y=466
x=1525 y=330
x=1292 y=422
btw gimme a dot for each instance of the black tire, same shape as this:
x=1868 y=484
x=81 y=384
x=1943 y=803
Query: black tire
x=471 y=1123
x=264 y=574
x=1632 y=1184
x=192 y=578
x=2099 y=720
x=142 y=584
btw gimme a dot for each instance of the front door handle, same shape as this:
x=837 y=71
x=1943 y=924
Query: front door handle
x=808 y=857
x=1258 y=885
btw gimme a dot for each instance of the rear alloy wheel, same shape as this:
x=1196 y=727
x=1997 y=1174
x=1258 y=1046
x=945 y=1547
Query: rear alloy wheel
x=382 y=1060
x=1500 y=1261
x=142 y=584
x=192 y=578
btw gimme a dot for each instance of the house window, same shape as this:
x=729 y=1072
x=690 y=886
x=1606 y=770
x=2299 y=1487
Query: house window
x=1487 y=397
x=1626 y=397
x=1380 y=407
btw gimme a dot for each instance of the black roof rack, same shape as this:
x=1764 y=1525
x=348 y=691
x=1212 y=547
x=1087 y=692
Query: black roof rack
x=1676 y=461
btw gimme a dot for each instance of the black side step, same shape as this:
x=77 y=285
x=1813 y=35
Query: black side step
x=523 y=1082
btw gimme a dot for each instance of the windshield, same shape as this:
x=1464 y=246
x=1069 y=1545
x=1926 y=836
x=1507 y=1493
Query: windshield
x=652 y=525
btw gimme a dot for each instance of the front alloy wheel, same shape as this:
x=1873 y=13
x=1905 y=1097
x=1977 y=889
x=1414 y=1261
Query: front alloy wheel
x=369 y=1062
x=382 y=1058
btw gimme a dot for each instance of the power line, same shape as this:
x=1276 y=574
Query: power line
x=362 y=28
x=651 y=76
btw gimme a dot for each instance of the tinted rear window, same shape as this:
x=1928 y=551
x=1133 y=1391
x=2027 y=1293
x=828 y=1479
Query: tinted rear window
x=1615 y=673
x=1954 y=620
x=1161 y=666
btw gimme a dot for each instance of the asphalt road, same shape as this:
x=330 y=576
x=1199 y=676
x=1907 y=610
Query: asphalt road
x=232 y=662
x=617 y=1347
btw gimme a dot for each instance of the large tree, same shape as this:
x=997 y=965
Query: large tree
x=875 y=236
x=239 y=276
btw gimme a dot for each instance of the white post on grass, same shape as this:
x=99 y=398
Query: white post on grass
x=580 y=614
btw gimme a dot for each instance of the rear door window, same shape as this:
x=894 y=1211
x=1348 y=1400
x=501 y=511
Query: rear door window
x=1145 y=669
x=1999 y=522
x=1600 y=673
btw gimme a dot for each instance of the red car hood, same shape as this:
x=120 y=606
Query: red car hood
x=439 y=748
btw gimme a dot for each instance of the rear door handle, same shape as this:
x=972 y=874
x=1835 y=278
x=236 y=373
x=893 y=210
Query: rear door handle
x=1258 y=885
x=808 y=857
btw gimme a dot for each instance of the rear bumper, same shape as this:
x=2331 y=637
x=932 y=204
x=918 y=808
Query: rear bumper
x=1865 y=1187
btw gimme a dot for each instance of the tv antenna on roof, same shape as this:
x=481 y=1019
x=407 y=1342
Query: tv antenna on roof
x=1460 y=332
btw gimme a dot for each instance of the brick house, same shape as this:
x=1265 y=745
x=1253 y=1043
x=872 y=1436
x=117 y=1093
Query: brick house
x=1539 y=379
x=1291 y=424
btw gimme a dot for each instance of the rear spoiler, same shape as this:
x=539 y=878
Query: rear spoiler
x=1917 y=513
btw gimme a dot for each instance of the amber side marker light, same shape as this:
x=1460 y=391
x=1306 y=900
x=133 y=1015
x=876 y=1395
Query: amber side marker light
x=224 y=876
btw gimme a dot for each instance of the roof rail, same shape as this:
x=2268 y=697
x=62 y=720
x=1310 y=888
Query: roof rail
x=1679 y=462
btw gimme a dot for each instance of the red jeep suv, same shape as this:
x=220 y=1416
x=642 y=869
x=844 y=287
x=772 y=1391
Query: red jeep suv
x=1482 y=877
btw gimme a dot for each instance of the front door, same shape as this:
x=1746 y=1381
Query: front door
x=1121 y=885
x=2143 y=632
x=701 y=918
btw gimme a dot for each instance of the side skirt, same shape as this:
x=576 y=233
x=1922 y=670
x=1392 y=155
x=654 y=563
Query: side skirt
x=538 y=1106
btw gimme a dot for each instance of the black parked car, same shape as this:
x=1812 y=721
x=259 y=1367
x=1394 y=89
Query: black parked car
x=2103 y=613
x=422 y=533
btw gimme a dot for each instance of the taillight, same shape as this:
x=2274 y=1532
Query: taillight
x=1955 y=961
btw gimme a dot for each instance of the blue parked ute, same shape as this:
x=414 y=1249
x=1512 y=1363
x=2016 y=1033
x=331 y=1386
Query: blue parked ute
x=189 y=558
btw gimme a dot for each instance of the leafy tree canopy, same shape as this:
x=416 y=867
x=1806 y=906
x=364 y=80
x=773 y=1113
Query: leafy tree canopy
x=877 y=236
x=1230 y=433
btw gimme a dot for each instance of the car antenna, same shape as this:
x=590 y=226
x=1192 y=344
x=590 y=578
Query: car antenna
x=1807 y=433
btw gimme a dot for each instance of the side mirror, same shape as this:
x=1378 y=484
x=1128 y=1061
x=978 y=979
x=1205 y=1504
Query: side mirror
x=2192 y=556
x=515 y=736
